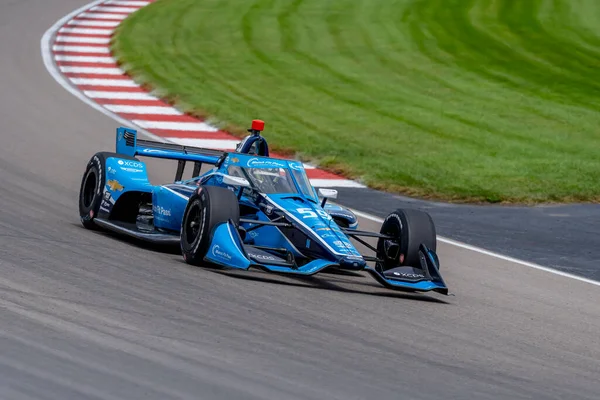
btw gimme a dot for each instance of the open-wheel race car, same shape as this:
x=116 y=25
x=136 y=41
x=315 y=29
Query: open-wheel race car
x=251 y=210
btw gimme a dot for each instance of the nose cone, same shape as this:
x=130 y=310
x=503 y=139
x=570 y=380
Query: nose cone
x=352 y=262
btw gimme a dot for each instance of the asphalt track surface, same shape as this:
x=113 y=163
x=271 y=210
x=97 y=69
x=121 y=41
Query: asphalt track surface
x=84 y=315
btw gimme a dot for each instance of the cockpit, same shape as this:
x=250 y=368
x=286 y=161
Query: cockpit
x=275 y=180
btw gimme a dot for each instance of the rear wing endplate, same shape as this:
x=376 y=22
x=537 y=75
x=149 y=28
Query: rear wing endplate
x=129 y=144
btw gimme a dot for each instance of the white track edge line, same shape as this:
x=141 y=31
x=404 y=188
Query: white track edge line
x=53 y=70
x=46 y=49
x=488 y=252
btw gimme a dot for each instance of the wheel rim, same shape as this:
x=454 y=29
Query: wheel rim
x=393 y=230
x=193 y=224
x=89 y=188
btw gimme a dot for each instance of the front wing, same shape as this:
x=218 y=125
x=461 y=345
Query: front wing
x=227 y=249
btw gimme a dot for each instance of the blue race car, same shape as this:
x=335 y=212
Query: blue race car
x=251 y=210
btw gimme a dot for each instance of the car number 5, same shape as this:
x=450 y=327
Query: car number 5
x=308 y=213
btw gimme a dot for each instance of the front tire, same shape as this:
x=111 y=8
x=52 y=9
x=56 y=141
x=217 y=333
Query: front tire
x=408 y=228
x=92 y=187
x=207 y=207
x=90 y=192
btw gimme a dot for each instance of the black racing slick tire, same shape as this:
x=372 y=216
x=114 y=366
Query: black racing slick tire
x=92 y=187
x=409 y=229
x=207 y=207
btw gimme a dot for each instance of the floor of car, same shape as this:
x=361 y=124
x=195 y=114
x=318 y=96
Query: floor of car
x=132 y=229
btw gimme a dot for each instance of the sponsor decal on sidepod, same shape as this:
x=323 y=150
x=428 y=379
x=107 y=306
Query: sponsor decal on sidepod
x=129 y=163
x=127 y=169
x=162 y=211
x=113 y=184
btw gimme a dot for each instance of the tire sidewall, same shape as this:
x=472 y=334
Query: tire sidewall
x=194 y=251
x=96 y=166
x=394 y=225
x=411 y=228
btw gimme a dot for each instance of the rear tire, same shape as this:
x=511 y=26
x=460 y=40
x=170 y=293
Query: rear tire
x=92 y=187
x=207 y=207
x=410 y=228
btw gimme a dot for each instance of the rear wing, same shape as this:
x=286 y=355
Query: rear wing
x=129 y=144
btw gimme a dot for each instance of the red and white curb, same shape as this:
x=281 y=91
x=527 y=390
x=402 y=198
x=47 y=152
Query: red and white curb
x=77 y=49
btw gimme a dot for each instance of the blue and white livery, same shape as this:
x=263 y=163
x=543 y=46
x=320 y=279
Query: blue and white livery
x=244 y=209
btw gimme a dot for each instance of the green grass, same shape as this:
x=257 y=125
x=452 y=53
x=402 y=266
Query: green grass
x=461 y=100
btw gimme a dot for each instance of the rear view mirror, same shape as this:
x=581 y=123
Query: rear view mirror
x=235 y=181
x=328 y=193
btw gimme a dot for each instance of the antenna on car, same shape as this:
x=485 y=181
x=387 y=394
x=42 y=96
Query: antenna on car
x=257 y=126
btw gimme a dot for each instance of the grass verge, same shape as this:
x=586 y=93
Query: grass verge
x=459 y=100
